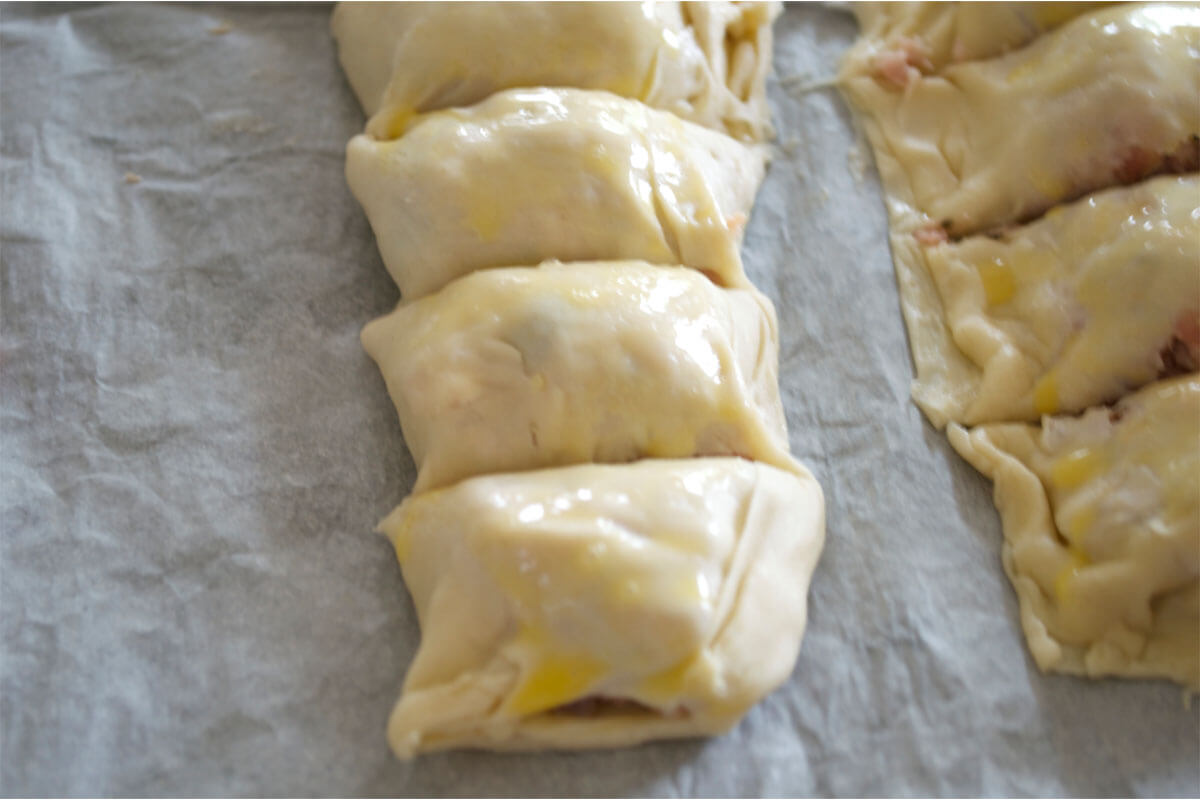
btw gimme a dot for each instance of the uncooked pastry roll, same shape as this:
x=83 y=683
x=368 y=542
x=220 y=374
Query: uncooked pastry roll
x=600 y=606
x=901 y=41
x=521 y=368
x=1105 y=99
x=706 y=62
x=1102 y=532
x=531 y=175
x=1096 y=299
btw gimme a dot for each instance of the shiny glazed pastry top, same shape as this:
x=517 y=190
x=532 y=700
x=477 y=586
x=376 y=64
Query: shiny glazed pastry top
x=600 y=606
x=1077 y=309
x=1107 y=98
x=706 y=62
x=1101 y=517
x=536 y=174
x=902 y=40
x=521 y=368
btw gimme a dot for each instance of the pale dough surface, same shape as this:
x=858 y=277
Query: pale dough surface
x=1107 y=98
x=1101 y=525
x=932 y=36
x=520 y=368
x=669 y=596
x=1071 y=311
x=706 y=62
x=535 y=174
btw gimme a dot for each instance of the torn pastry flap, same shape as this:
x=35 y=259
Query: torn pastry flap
x=602 y=605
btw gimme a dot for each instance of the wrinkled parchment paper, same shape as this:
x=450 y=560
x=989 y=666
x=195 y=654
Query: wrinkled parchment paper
x=195 y=452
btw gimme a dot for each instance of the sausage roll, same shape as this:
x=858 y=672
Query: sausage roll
x=531 y=175
x=1088 y=303
x=706 y=62
x=602 y=605
x=527 y=367
x=1108 y=98
x=1102 y=531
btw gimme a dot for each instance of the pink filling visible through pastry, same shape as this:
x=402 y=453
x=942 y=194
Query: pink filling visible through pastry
x=905 y=59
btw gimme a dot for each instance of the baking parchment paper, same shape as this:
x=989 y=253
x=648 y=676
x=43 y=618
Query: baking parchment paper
x=195 y=452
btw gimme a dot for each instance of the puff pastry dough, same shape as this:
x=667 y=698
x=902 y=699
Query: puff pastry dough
x=531 y=175
x=599 y=606
x=1094 y=300
x=1102 y=532
x=520 y=368
x=706 y=62
x=1107 y=98
x=901 y=41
